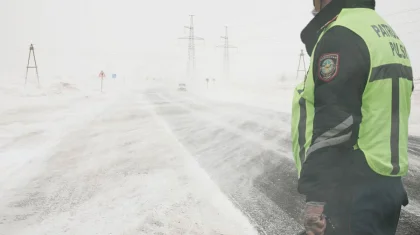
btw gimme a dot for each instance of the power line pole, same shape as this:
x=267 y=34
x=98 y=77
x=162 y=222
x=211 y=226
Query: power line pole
x=191 y=48
x=31 y=50
x=301 y=58
x=226 y=47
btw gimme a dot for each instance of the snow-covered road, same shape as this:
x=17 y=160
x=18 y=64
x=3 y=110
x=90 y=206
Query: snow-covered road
x=116 y=170
x=154 y=161
x=251 y=145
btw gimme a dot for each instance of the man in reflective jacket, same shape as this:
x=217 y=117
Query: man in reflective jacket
x=350 y=121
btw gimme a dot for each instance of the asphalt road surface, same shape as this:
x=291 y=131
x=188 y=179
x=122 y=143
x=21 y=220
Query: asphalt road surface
x=247 y=152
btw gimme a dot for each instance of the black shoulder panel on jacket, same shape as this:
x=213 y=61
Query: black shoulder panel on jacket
x=341 y=69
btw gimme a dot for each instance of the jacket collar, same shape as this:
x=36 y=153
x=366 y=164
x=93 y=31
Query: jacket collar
x=359 y=4
x=311 y=32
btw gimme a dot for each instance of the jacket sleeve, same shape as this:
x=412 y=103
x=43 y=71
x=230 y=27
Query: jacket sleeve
x=341 y=68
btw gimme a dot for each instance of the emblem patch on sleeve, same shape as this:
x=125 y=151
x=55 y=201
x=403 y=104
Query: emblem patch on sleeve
x=328 y=66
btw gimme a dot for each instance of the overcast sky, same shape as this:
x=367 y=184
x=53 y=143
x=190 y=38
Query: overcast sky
x=138 y=38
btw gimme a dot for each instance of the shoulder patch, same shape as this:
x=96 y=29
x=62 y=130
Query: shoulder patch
x=328 y=66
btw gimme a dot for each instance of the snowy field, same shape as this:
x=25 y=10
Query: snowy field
x=146 y=159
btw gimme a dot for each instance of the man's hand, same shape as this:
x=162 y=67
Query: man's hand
x=314 y=219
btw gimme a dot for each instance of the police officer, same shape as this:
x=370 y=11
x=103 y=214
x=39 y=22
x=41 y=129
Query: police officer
x=350 y=121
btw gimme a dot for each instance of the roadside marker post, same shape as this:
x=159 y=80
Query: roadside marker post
x=102 y=76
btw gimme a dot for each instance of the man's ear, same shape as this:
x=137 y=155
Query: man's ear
x=317 y=5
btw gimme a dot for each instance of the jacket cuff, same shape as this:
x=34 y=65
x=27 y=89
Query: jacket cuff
x=316 y=197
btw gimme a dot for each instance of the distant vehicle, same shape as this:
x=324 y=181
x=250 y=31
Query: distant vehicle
x=182 y=87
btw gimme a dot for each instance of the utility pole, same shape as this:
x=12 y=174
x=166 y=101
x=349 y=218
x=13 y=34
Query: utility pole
x=226 y=47
x=191 y=48
x=31 y=50
x=301 y=58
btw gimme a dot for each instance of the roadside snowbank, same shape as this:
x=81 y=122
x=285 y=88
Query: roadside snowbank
x=279 y=97
x=276 y=96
